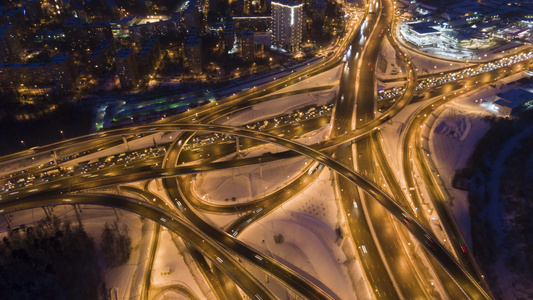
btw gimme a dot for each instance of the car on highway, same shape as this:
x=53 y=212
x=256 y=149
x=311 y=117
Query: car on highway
x=406 y=219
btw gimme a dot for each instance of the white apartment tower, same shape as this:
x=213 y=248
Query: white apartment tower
x=287 y=25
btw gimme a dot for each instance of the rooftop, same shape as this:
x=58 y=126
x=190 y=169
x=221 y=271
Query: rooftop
x=124 y=52
x=286 y=3
x=423 y=27
x=514 y=98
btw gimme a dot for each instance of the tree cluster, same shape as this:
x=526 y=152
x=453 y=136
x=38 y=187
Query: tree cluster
x=116 y=244
x=51 y=260
x=512 y=241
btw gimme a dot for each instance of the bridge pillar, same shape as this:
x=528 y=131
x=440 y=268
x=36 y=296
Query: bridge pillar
x=46 y=212
x=55 y=157
x=7 y=220
x=126 y=143
x=115 y=210
x=77 y=214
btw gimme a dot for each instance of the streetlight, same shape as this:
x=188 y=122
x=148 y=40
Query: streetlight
x=22 y=142
x=62 y=134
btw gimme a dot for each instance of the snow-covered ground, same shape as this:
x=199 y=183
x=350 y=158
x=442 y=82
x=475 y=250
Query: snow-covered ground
x=453 y=137
x=124 y=280
x=452 y=140
x=307 y=223
x=127 y=279
x=281 y=106
x=460 y=125
x=252 y=182
x=171 y=269
x=426 y=65
x=246 y=183
x=389 y=66
x=393 y=132
x=325 y=78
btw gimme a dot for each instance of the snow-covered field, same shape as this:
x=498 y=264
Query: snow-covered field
x=250 y=182
x=307 y=224
x=246 y=183
x=281 y=106
x=123 y=280
x=453 y=138
x=324 y=78
x=171 y=268
x=388 y=63
x=452 y=141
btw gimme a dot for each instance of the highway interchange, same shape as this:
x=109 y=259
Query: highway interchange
x=352 y=151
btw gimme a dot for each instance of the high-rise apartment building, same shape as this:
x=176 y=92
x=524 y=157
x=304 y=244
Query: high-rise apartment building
x=127 y=69
x=287 y=23
x=192 y=15
x=255 y=23
x=247 y=45
x=101 y=59
x=149 y=56
x=254 y=7
x=10 y=48
x=63 y=72
x=193 y=52
x=81 y=35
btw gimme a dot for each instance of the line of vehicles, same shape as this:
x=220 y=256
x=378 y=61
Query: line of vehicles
x=51 y=171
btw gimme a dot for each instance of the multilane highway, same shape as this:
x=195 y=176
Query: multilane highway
x=193 y=235
x=359 y=70
x=446 y=259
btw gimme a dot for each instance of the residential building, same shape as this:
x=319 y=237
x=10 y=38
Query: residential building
x=255 y=23
x=247 y=45
x=60 y=71
x=149 y=56
x=10 y=48
x=193 y=52
x=101 y=59
x=287 y=23
x=229 y=36
x=85 y=36
x=63 y=72
x=149 y=28
x=192 y=15
x=127 y=69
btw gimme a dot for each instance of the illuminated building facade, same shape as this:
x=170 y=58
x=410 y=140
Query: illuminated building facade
x=287 y=22
x=60 y=71
x=10 y=48
x=127 y=68
x=247 y=45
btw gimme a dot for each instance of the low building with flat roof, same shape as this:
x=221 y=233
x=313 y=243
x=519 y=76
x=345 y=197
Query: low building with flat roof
x=513 y=102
